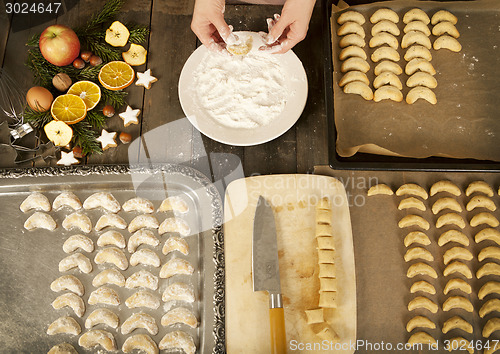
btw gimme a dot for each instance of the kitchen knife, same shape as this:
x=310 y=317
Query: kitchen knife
x=266 y=272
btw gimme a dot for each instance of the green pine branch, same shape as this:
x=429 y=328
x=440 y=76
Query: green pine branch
x=85 y=137
x=108 y=12
x=37 y=119
x=138 y=34
x=113 y=98
x=96 y=118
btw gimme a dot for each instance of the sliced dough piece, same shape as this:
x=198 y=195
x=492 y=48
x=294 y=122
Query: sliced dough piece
x=457 y=253
x=460 y=342
x=384 y=14
x=418 y=51
x=488 y=234
x=492 y=305
x=64 y=325
x=351 y=27
x=323 y=230
x=146 y=257
x=71 y=300
x=445 y=27
x=417 y=237
x=456 y=322
x=142 y=342
x=457 y=284
x=75 y=260
x=491 y=326
x=417 y=26
x=383 y=53
x=421 y=92
x=110 y=220
x=383 y=38
x=109 y=276
x=484 y=218
x=178 y=292
x=415 y=37
x=68 y=282
x=457 y=302
x=328 y=299
x=453 y=236
x=178 y=340
x=421 y=78
x=143 y=221
x=327 y=333
x=411 y=202
x=68 y=199
x=77 y=221
x=389 y=79
x=413 y=220
x=457 y=267
x=359 y=88
x=328 y=284
x=446 y=203
x=412 y=189
x=352 y=76
x=421 y=268
x=327 y=270
x=141 y=205
x=443 y=15
x=416 y=15
x=445 y=186
x=175 y=243
x=422 y=302
x=350 y=15
x=352 y=51
x=102 y=316
x=181 y=315
x=174 y=203
x=387 y=65
x=324 y=217
x=489 y=252
x=36 y=201
x=142 y=279
x=419 y=322
x=387 y=92
x=326 y=256
x=104 y=295
x=491 y=287
x=418 y=253
x=325 y=243
x=417 y=64
x=380 y=188
x=447 y=42
x=174 y=225
x=479 y=187
x=422 y=286
x=481 y=201
x=142 y=237
x=62 y=348
x=102 y=200
x=111 y=238
x=488 y=269
x=352 y=39
x=39 y=220
x=385 y=26
x=143 y=298
x=112 y=255
x=97 y=337
x=78 y=241
x=140 y=320
x=355 y=64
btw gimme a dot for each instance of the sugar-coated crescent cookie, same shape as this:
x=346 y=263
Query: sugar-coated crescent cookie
x=174 y=203
x=445 y=186
x=62 y=348
x=417 y=237
x=445 y=27
x=457 y=302
x=481 y=201
x=102 y=316
x=383 y=38
x=492 y=305
x=453 y=236
x=352 y=51
x=418 y=51
x=146 y=257
x=176 y=266
x=142 y=279
x=444 y=15
x=352 y=39
x=412 y=189
x=102 y=200
x=421 y=268
x=178 y=292
x=423 y=286
x=411 y=202
x=64 y=325
x=421 y=78
x=457 y=284
x=352 y=76
x=417 y=26
x=143 y=298
x=359 y=88
x=484 y=218
x=143 y=221
x=421 y=92
x=185 y=316
x=457 y=267
x=142 y=237
x=36 y=201
x=492 y=252
x=112 y=255
x=75 y=260
x=447 y=42
x=491 y=326
x=109 y=276
x=413 y=220
x=457 y=322
x=141 y=205
x=488 y=234
x=67 y=199
x=457 y=253
x=391 y=80
x=111 y=238
x=104 y=295
x=174 y=224
x=479 y=187
x=419 y=64
x=72 y=301
x=77 y=221
x=68 y=282
x=385 y=26
x=450 y=219
x=141 y=342
x=491 y=287
x=418 y=253
x=415 y=37
x=355 y=63
x=416 y=15
x=350 y=15
x=422 y=302
x=110 y=220
x=98 y=337
x=387 y=65
x=40 y=220
x=140 y=320
x=489 y=268
x=384 y=14
x=421 y=338
x=178 y=340
x=419 y=322
x=75 y=242
x=388 y=92
x=385 y=53
x=351 y=27
x=446 y=203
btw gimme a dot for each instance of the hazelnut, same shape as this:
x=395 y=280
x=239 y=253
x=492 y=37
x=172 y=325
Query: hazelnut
x=95 y=60
x=108 y=111
x=78 y=63
x=125 y=138
x=85 y=55
x=78 y=152
x=61 y=81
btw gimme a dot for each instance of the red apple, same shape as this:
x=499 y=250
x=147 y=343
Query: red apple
x=59 y=45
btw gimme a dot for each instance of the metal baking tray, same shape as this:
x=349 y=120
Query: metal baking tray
x=29 y=259
x=363 y=161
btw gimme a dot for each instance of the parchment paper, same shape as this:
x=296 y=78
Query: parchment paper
x=463 y=124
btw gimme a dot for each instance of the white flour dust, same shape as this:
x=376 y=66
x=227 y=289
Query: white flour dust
x=241 y=91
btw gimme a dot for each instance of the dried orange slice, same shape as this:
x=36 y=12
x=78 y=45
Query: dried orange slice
x=116 y=75
x=69 y=109
x=89 y=92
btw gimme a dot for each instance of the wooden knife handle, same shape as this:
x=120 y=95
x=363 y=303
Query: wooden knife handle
x=278 y=333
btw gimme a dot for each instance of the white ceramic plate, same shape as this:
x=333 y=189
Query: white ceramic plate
x=296 y=82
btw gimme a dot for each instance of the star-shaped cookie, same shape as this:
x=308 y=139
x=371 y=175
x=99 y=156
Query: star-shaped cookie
x=67 y=159
x=145 y=79
x=107 y=139
x=130 y=116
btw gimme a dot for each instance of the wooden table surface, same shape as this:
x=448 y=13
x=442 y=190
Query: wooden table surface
x=171 y=42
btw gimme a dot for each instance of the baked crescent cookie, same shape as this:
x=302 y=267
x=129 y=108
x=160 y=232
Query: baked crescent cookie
x=352 y=39
x=174 y=225
x=421 y=92
x=138 y=204
x=489 y=252
x=142 y=342
x=421 y=268
x=111 y=238
x=97 y=337
x=351 y=27
x=418 y=51
x=418 y=253
x=72 y=301
x=75 y=242
x=422 y=302
x=457 y=284
x=488 y=269
x=174 y=203
x=416 y=15
x=417 y=26
x=421 y=78
x=175 y=243
x=64 y=325
x=453 y=236
x=143 y=221
x=109 y=276
x=460 y=342
x=457 y=267
x=481 y=201
x=457 y=322
x=102 y=316
x=39 y=220
x=145 y=257
x=387 y=92
x=446 y=203
x=380 y=188
x=488 y=234
x=112 y=255
x=457 y=253
x=76 y=260
x=387 y=65
x=443 y=15
x=479 y=187
x=352 y=51
x=415 y=37
x=62 y=348
x=492 y=305
x=390 y=80
x=421 y=338
x=178 y=292
x=457 y=302
x=385 y=26
x=491 y=326
x=142 y=279
x=411 y=202
x=140 y=320
x=142 y=237
x=383 y=38
x=384 y=14
x=383 y=53
x=413 y=220
x=68 y=282
x=104 y=295
x=447 y=42
x=445 y=186
x=353 y=16
x=445 y=27
x=356 y=64
x=422 y=286
x=352 y=76
x=419 y=322
x=417 y=64
x=67 y=199
x=181 y=315
x=178 y=340
x=110 y=220
x=102 y=200
x=77 y=221
x=359 y=88
x=491 y=287
x=412 y=189
x=484 y=218
x=417 y=237
x=35 y=201
x=143 y=298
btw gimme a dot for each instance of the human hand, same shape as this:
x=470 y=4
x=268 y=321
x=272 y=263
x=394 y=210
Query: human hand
x=210 y=27
x=289 y=28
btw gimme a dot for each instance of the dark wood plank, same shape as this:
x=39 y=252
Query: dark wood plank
x=4 y=33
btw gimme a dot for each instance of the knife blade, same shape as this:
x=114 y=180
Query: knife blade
x=266 y=272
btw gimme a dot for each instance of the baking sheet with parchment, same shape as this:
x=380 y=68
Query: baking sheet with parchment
x=464 y=123
x=293 y=198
